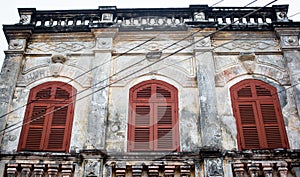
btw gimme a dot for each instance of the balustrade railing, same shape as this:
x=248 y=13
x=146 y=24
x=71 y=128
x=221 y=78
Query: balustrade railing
x=194 y=16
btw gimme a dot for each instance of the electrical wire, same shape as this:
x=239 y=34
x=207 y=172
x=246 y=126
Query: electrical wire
x=142 y=67
x=161 y=59
x=126 y=52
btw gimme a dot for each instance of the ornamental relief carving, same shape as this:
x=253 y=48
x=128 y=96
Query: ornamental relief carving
x=59 y=47
x=92 y=168
x=66 y=71
x=16 y=44
x=167 y=45
x=229 y=67
x=180 y=68
x=247 y=46
x=31 y=63
x=25 y=19
x=289 y=41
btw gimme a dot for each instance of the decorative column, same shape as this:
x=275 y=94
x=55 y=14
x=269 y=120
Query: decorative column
x=289 y=38
x=282 y=169
x=253 y=170
x=239 y=169
x=17 y=38
x=153 y=170
x=267 y=169
x=120 y=169
x=67 y=170
x=169 y=170
x=101 y=65
x=11 y=170
x=185 y=170
x=209 y=121
x=137 y=170
x=26 y=170
x=38 y=170
x=52 y=170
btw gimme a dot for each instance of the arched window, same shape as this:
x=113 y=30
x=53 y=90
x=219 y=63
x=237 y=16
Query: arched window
x=153 y=117
x=258 y=115
x=48 y=119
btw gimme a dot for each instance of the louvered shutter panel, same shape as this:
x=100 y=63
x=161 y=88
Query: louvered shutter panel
x=36 y=124
x=261 y=91
x=162 y=92
x=52 y=131
x=57 y=128
x=258 y=115
x=163 y=132
x=271 y=126
x=245 y=92
x=44 y=93
x=249 y=132
x=153 y=121
x=144 y=92
x=142 y=131
x=61 y=94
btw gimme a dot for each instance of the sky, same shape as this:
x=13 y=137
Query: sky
x=9 y=9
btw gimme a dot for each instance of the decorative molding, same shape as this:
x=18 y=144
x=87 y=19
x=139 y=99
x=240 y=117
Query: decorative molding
x=156 y=45
x=25 y=19
x=32 y=63
x=248 y=62
x=92 y=168
x=223 y=62
x=17 y=44
x=289 y=41
x=276 y=61
x=66 y=71
x=183 y=72
x=199 y=16
x=57 y=64
x=59 y=47
x=213 y=167
x=248 y=46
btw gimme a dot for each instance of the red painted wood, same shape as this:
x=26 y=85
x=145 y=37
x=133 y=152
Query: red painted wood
x=153 y=118
x=48 y=120
x=258 y=115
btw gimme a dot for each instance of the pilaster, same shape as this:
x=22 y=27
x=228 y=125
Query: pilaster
x=289 y=38
x=100 y=67
x=17 y=40
x=209 y=122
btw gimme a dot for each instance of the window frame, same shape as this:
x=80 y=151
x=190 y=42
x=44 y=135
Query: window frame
x=51 y=126
x=153 y=104
x=259 y=97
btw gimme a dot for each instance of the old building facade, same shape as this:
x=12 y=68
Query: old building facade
x=199 y=91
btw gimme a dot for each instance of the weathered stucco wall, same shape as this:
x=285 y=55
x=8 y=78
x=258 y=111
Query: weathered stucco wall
x=259 y=58
x=240 y=58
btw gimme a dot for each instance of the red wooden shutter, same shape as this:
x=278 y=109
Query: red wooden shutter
x=153 y=119
x=52 y=131
x=61 y=94
x=44 y=93
x=144 y=92
x=259 y=119
x=35 y=129
x=57 y=127
x=248 y=129
x=271 y=126
x=142 y=129
x=245 y=92
x=163 y=129
x=162 y=93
